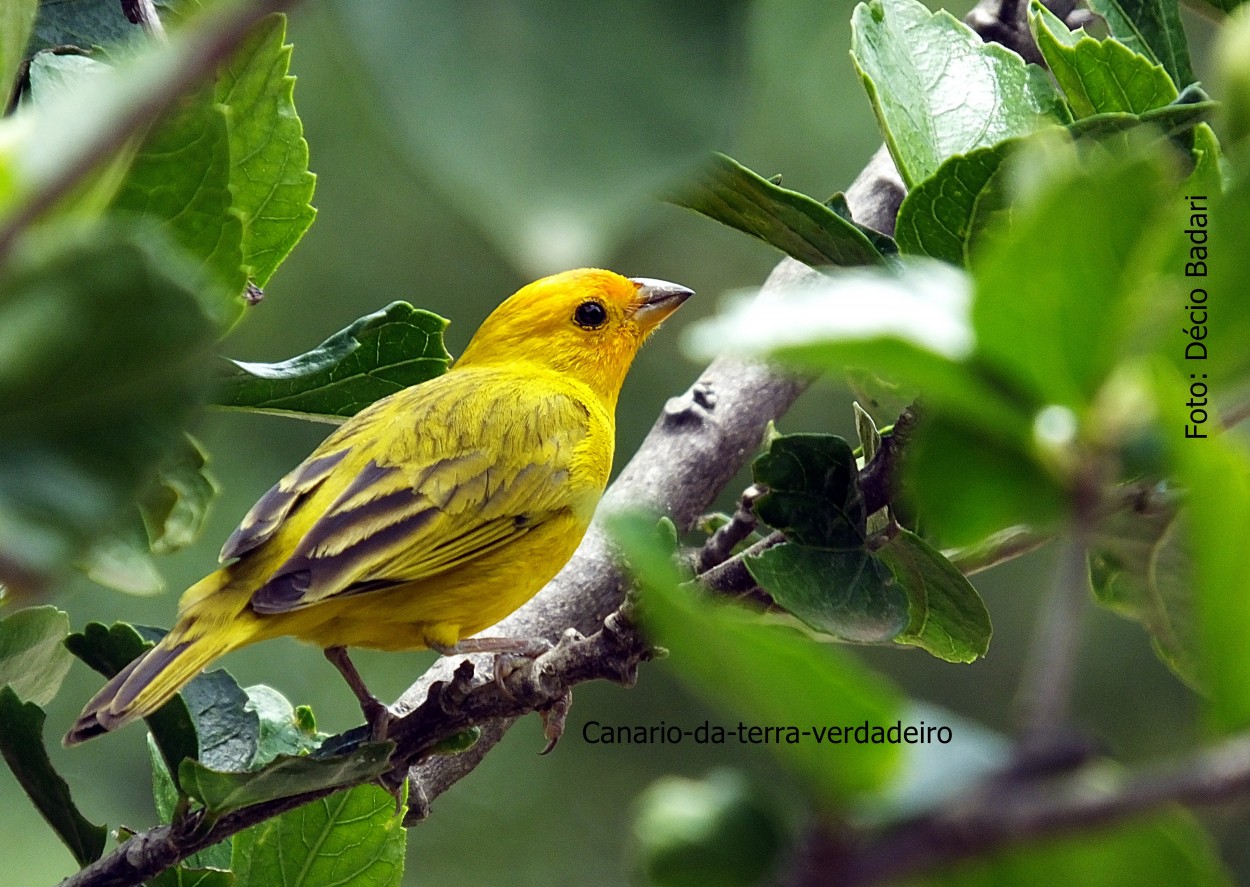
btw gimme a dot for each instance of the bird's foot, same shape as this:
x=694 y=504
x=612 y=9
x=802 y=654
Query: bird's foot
x=554 y=717
x=510 y=654
x=377 y=716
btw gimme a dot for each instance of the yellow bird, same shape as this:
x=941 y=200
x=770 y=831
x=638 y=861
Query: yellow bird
x=431 y=514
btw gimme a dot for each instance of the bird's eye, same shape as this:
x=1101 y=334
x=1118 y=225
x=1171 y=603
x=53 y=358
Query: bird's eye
x=590 y=315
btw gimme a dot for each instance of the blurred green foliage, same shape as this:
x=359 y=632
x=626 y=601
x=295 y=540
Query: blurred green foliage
x=459 y=174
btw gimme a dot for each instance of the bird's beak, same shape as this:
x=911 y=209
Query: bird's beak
x=656 y=300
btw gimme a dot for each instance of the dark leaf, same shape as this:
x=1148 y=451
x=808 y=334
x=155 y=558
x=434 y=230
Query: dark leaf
x=224 y=791
x=813 y=493
x=377 y=355
x=21 y=742
x=104 y=354
x=792 y=222
x=847 y=594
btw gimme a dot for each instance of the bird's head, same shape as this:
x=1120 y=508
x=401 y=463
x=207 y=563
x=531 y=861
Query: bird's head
x=587 y=324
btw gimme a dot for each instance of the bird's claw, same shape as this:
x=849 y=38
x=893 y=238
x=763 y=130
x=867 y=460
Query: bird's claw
x=554 y=717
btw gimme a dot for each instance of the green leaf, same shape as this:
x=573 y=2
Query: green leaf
x=766 y=674
x=794 y=223
x=207 y=720
x=269 y=158
x=165 y=794
x=718 y=830
x=183 y=875
x=377 y=355
x=1099 y=76
x=1152 y=28
x=21 y=743
x=16 y=20
x=943 y=215
x=170 y=515
x=354 y=837
x=1215 y=474
x=284 y=730
x=813 y=493
x=181 y=179
x=63 y=88
x=58 y=72
x=223 y=791
x=176 y=503
x=1221 y=273
x=1035 y=321
x=33 y=658
x=1207 y=177
x=120 y=560
x=1232 y=54
x=1175 y=119
x=1139 y=569
x=1167 y=848
x=938 y=90
x=967 y=484
x=554 y=183
x=847 y=594
x=947 y=617
x=103 y=349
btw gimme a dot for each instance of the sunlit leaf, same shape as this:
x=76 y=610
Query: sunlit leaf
x=353 y=837
x=1099 y=76
x=269 y=175
x=1153 y=28
x=33 y=658
x=938 y=90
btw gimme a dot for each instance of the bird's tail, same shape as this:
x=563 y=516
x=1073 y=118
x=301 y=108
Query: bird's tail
x=155 y=676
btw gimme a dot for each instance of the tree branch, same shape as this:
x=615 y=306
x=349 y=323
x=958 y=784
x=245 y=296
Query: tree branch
x=451 y=706
x=1008 y=812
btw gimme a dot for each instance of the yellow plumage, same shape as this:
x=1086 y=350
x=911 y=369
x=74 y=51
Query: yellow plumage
x=435 y=512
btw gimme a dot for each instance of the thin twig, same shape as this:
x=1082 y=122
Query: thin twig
x=1050 y=668
x=996 y=549
x=1234 y=416
x=731 y=576
x=720 y=544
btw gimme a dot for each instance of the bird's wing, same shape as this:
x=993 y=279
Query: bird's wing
x=460 y=476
